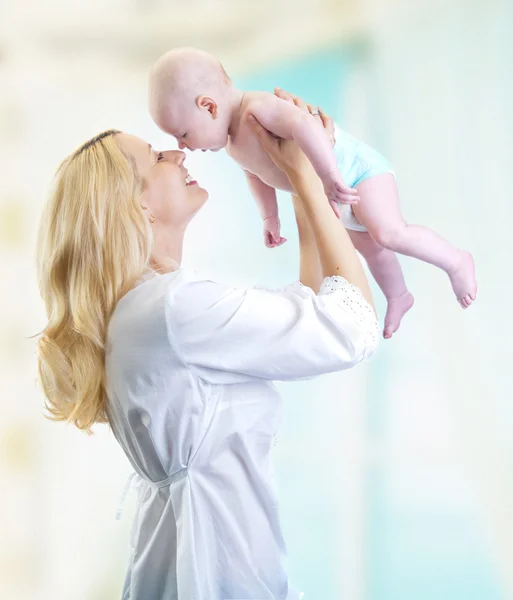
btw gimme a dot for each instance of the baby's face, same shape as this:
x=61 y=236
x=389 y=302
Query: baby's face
x=195 y=128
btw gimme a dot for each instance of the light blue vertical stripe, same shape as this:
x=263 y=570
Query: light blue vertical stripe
x=312 y=556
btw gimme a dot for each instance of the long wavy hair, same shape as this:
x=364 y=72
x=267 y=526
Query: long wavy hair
x=94 y=242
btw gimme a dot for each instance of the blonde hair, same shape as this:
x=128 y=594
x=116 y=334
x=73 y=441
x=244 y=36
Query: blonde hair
x=94 y=242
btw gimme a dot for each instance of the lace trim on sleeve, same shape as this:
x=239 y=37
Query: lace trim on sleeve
x=350 y=297
x=297 y=286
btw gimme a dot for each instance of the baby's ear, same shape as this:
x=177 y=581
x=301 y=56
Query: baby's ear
x=208 y=103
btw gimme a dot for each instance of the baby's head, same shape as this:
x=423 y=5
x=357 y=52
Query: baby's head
x=191 y=98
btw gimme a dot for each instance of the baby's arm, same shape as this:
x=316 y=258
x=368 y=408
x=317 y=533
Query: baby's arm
x=287 y=121
x=265 y=198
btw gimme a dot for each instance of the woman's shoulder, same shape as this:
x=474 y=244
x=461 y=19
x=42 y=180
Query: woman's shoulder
x=148 y=283
x=147 y=294
x=184 y=286
x=188 y=290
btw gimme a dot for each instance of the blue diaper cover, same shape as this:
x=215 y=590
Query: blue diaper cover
x=356 y=162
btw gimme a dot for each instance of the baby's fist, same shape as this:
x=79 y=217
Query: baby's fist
x=272 y=237
x=337 y=191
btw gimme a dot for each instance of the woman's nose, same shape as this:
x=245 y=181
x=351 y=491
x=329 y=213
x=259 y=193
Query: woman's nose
x=174 y=156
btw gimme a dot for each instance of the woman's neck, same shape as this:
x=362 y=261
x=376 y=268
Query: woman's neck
x=167 y=252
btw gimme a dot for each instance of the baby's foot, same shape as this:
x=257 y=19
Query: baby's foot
x=396 y=309
x=463 y=280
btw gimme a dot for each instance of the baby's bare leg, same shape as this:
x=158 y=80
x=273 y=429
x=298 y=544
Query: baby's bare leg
x=378 y=210
x=387 y=272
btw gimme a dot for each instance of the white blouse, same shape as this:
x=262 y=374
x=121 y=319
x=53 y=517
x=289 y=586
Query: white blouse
x=189 y=370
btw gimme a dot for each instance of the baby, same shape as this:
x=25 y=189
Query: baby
x=192 y=98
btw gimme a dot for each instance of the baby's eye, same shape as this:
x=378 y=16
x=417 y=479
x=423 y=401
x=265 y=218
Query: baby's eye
x=160 y=156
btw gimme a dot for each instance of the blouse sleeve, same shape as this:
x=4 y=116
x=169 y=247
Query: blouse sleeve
x=230 y=334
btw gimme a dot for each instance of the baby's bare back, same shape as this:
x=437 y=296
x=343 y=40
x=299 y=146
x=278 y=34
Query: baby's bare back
x=245 y=149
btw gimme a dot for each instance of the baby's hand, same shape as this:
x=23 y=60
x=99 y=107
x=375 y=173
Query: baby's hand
x=337 y=191
x=272 y=237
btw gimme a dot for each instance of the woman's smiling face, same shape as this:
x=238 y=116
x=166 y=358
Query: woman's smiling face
x=169 y=193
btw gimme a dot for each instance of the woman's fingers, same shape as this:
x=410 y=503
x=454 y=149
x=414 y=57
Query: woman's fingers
x=267 y=140
x=300 y=103
x=297 y=100
x=256 y=125
x=283 y=94
x=316 y=111
x=327 y=121
x=328 y=124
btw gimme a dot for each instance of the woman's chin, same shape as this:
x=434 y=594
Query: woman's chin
x=195 y=186
x=200 y=194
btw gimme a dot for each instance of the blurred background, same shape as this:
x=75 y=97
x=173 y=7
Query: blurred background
x=395 y=479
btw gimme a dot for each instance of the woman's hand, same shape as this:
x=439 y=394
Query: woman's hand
x=327 y=123
x=316 y=111
x=286 y=154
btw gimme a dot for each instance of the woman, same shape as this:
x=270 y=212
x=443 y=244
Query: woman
x=181 y=367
